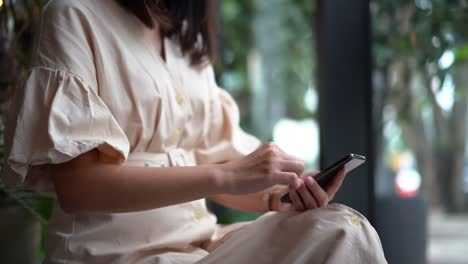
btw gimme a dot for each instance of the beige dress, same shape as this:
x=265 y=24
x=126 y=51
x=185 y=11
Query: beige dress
x=99 y=82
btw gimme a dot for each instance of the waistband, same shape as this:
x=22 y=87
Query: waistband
x=172 y=158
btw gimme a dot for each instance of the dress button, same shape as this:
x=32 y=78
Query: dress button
x=199 y=213
x=356 y=220
x=177 y=134
x=179 y=99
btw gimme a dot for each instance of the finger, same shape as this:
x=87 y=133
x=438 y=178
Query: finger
x=336 y=183
x=287 y=156
x=277 y=192
x=296 y=166
x=287 y=178
x=281 y=150
x=307 y=198
x=296 y=200
x=285 y=207
x=310 y=174
x=319 y=194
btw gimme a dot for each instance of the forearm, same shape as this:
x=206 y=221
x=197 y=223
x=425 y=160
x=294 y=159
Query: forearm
x=110 y=188
x=255 y=202
x=259 y=202
x=88 y=184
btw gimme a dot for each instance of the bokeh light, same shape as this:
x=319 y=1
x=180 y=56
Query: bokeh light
x=298 y=138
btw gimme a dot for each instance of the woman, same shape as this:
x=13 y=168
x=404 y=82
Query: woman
x=121 y=119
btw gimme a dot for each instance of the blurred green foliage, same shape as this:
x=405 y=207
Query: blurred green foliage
x=281 y=34
x=412 y=45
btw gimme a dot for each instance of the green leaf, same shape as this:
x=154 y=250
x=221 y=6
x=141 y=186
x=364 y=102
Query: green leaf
x=461 y=55
x=39 y=206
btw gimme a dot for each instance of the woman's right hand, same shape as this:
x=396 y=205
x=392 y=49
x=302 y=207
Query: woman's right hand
x=265 y=167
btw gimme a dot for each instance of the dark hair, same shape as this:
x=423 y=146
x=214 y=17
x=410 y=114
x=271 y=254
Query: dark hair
x=171 y=15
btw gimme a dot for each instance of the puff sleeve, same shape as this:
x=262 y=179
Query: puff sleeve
x=229 y=141
x=58 y=114
x=241 y=142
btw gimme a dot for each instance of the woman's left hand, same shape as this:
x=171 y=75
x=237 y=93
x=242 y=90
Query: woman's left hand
x=309 y=195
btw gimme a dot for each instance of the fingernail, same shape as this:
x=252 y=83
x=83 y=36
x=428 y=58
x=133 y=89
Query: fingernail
x=297 y=184
x=301 y=183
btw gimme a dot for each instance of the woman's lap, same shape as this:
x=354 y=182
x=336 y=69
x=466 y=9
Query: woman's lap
x=334 y=234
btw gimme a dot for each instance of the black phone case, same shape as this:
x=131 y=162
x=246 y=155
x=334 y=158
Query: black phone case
x=326 y=176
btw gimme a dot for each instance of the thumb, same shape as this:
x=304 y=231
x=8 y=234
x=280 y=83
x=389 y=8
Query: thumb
x=283 y=207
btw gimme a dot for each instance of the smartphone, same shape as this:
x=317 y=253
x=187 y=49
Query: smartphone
x=350 y=161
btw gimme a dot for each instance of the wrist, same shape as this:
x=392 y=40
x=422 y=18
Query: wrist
x=220 y=178
x=266 y=203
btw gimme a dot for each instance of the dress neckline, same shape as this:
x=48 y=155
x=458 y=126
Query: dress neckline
x=156 y=44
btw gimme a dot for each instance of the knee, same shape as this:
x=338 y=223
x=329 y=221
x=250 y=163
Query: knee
x=358 y=232
x=333 y=218
x=345 y=229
